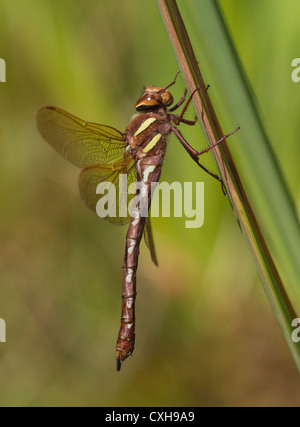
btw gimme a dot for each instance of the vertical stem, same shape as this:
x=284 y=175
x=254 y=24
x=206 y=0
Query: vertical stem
x=270 y=277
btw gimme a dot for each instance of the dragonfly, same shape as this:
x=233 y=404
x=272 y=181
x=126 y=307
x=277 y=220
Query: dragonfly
x=104 y=154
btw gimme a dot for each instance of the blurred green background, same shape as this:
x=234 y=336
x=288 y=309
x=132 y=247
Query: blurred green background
x=205 y=332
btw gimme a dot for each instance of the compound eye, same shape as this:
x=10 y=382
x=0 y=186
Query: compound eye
x=166 y=98
x=146 y=102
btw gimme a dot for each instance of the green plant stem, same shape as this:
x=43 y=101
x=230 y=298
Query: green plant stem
x=276 y=208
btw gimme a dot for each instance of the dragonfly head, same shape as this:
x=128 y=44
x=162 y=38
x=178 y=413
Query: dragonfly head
x=154 y=97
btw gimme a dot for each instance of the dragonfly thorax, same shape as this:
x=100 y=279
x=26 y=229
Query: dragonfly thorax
x=147 y=133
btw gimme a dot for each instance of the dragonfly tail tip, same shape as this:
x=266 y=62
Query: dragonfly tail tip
x=119 y=363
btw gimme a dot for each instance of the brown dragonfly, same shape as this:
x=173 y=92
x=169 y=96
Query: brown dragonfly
x=105 y=154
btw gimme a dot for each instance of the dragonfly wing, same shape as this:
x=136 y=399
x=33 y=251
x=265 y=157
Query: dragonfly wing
x=110 y=199
x=81 y=143
x=148 y=236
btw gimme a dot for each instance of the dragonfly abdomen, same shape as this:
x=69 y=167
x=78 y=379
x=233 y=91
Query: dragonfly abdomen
x=126 y=338
x=148 y=171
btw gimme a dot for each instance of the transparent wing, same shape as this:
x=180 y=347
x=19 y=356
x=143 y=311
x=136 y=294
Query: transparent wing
x=81 y=143
x=112 y=197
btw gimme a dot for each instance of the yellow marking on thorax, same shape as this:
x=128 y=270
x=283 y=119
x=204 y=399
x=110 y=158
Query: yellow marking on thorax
x=144 y=125
x=152 y=143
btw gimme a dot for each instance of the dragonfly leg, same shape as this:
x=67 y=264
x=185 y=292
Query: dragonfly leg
x=179 y=103
x=194 y=154
x=173 y=82
x=179 y=119
x=217 y=142
x=190 y=122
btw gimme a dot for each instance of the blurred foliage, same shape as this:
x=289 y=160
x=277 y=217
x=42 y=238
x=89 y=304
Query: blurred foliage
x=205 y=332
